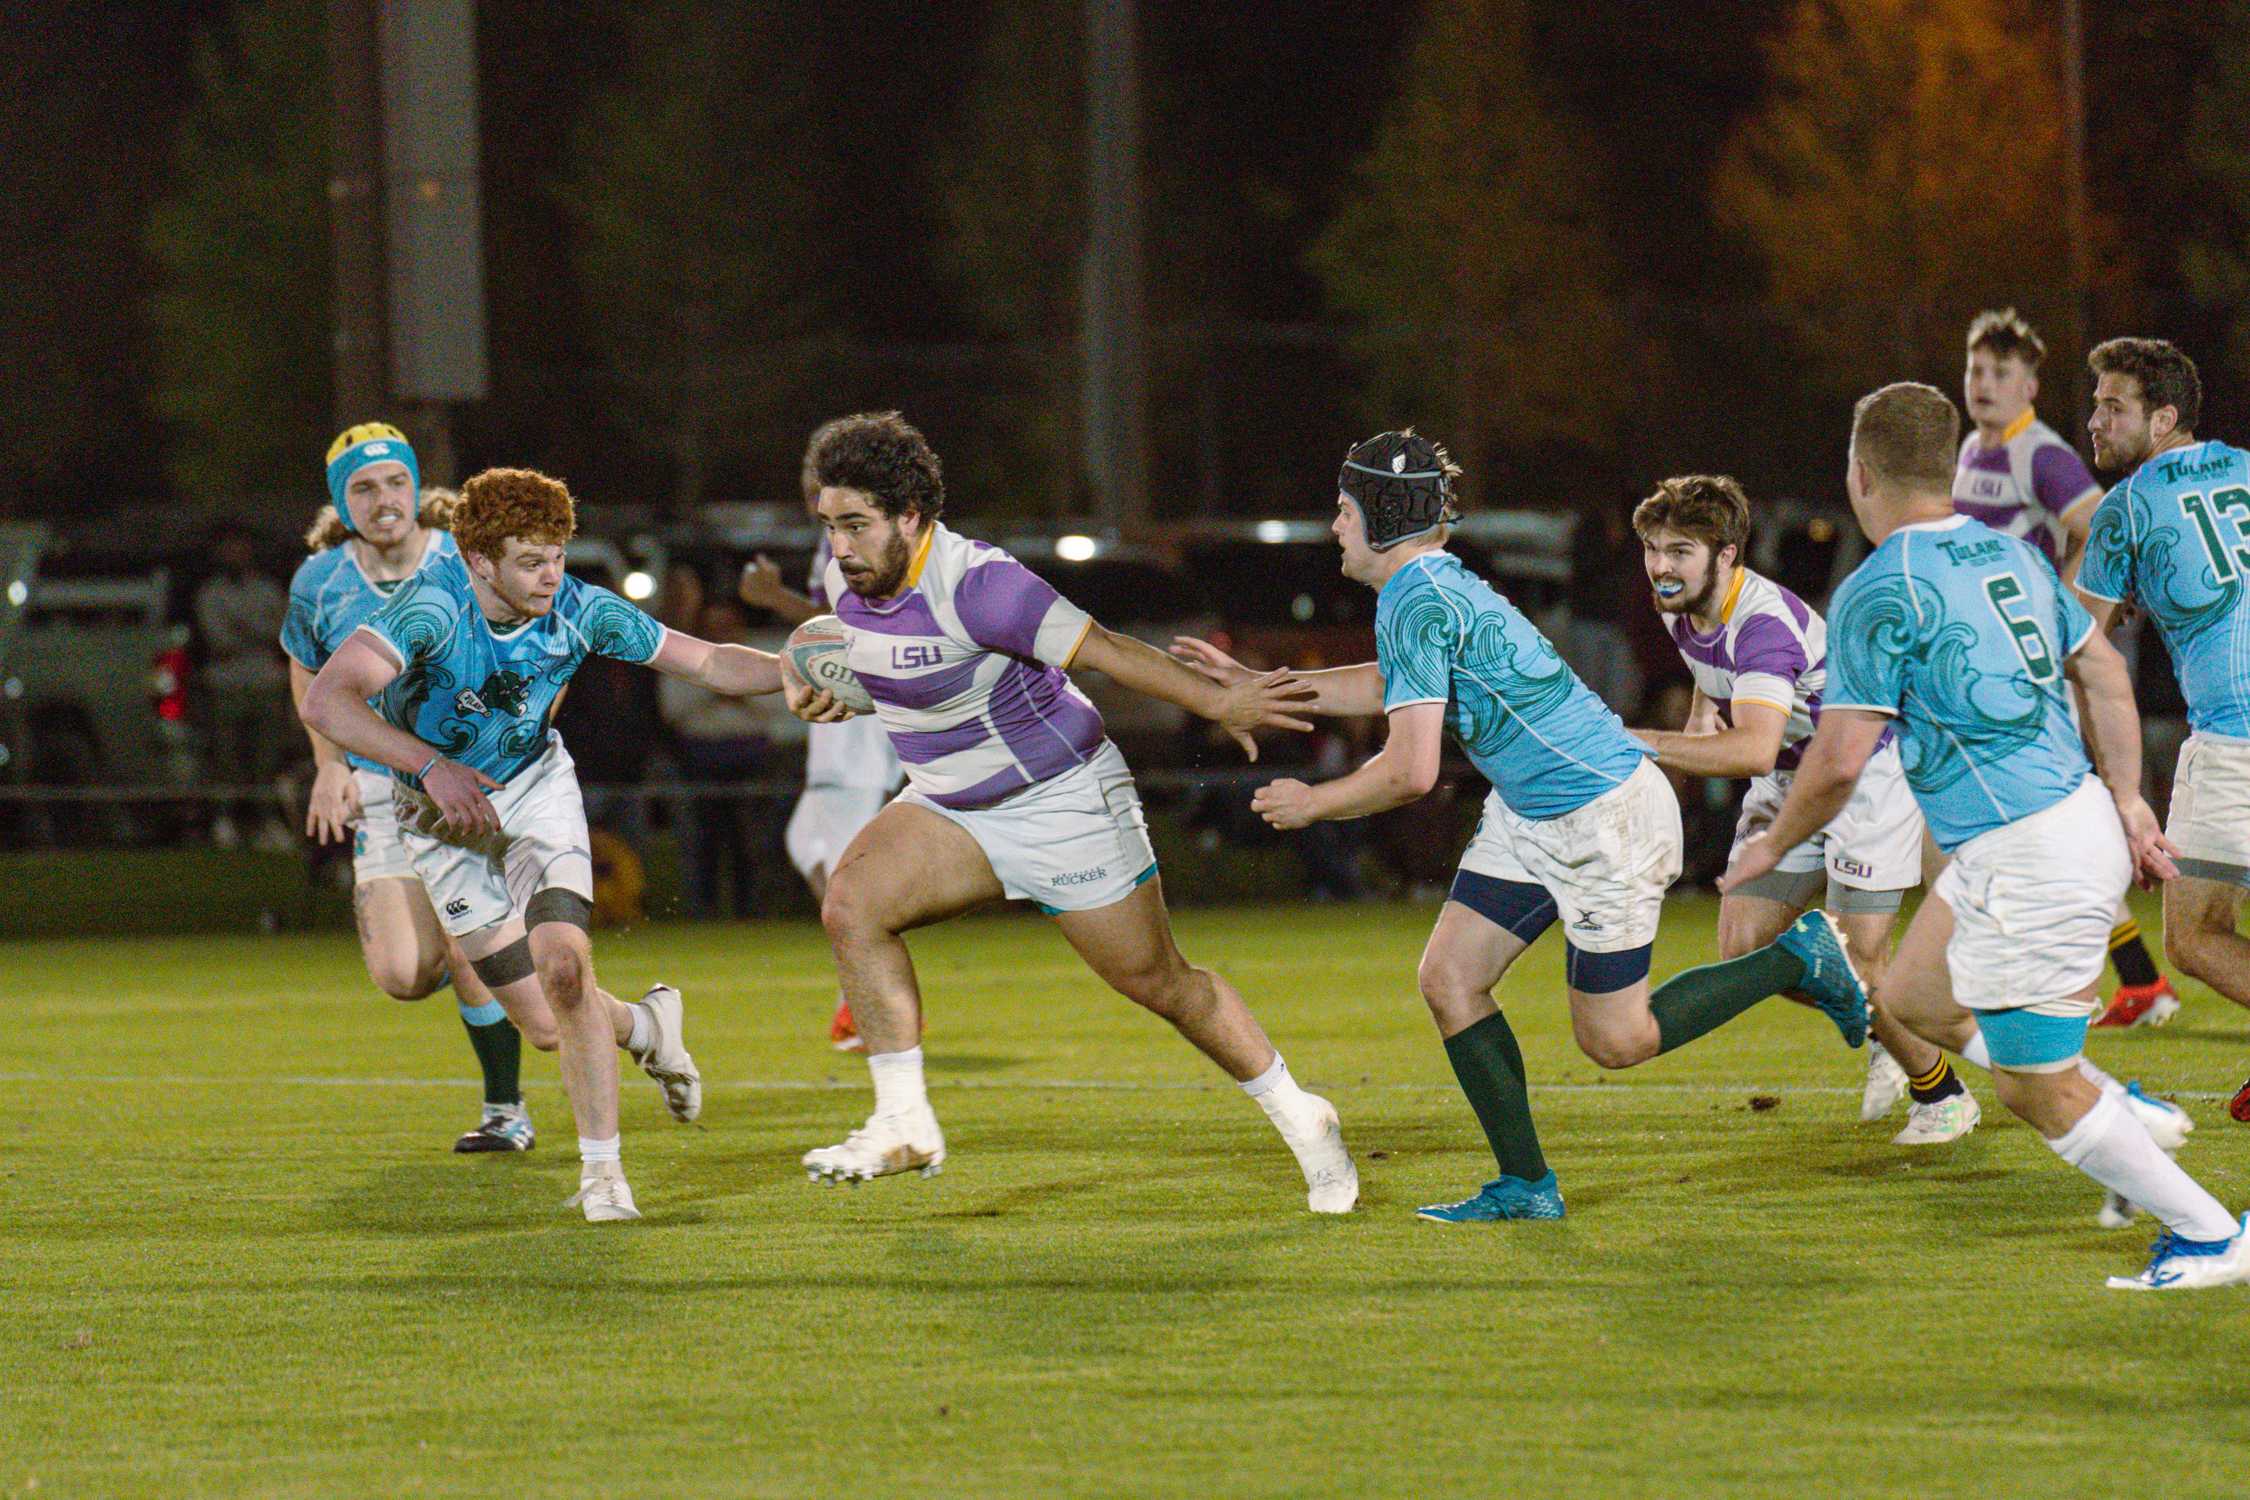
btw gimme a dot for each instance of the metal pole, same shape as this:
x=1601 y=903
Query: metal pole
x=2074 y=206
x=1113 y=327
x=355 y=209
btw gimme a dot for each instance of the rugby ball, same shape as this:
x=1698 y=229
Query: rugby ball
x=815 y=657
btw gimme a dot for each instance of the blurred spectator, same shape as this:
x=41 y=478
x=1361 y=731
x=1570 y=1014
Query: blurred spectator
x=679 y=603
x=238 y=613
x=1584 y=623
x=720 y=739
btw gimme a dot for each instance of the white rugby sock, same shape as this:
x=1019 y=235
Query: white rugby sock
x=1275 y=1091
x=898 y=1081
x=2111 y=1146
x=593 y=1153
x=644 y=1029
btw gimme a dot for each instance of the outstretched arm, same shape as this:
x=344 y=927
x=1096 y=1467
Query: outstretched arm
x=1270 y=701
x=1834 y=757
x=1403 y=770
x=1352 y=692
x=737 y=671
x=1748 y=749
x=761 y=587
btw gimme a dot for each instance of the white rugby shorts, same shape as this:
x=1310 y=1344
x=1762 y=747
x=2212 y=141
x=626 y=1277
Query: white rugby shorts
x=377 y=851
x=1076 y=842
x=2210 y=817
x=1607 y=864
x=825 y=820
x=1874 y=844
x=542 y=845
x=2033 y=902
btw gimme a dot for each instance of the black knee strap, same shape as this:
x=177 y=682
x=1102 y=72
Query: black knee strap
x=554 y=904
x=506 y=966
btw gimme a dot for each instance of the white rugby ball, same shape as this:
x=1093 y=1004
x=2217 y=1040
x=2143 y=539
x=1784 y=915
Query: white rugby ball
x=815 y=656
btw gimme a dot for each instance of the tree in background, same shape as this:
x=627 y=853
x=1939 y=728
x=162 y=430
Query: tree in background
x=1011 y=194
x=1906 y=171
x=241 y=310
x=2212 y=258
x=700 y=205
x=1470 y=253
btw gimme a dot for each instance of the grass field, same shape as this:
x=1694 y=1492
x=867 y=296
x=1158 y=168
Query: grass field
x=239 y=1259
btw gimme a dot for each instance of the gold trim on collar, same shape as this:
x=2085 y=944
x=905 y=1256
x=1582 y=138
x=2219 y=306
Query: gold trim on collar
x=2015 y=429
x=1734 y=593
x=921 y=556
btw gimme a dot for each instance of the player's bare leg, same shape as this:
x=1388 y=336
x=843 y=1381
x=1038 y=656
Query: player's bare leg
x=907 y=868
x=1129 y=945
x=2202 y=936
x=1462 y=963
x=1916 y=1010
x=409 y=956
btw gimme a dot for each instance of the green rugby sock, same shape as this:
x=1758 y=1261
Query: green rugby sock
x=1489 y=1064
x=499 y=1049
x=1698 y=1000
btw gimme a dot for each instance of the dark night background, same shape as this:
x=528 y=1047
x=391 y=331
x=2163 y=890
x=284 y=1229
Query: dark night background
x=1256 y=120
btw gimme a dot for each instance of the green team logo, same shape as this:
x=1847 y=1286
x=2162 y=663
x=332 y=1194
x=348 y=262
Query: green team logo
x=507 y=692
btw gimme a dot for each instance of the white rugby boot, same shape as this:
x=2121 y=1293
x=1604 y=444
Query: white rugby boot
x=1940 y=1120
x=2168 y=1125
x=1886 y=1084
x=604 y=1195
x=666 y=1059
x=904 y=1141
x=1316 y=1137
x=2177 y=1265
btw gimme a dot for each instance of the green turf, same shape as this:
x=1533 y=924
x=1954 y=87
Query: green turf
x=239 y=1259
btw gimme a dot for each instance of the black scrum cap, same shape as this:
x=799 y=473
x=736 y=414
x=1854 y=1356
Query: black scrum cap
x=1398 y=480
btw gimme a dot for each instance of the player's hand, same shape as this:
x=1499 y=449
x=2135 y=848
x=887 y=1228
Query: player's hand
x=2154 y=855
x=1285 y=804
x=1210 y=660
x=1756 y=857
x=1270 y=701
x=458 y=792
x=761 y=586
x=813 y=705
x=334 y=804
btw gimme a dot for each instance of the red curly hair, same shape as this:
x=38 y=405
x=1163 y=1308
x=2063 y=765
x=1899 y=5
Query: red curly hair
x=520 y=504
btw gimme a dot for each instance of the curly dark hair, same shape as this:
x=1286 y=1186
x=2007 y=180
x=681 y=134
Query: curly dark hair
x=882 y=455
x=2166 y=374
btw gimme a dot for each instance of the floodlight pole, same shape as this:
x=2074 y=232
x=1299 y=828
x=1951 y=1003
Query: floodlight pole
x=355 y=210
x=2074 y=201
x=1113 y=329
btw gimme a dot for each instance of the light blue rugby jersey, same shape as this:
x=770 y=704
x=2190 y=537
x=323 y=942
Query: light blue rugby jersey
x=2175 y=537
x=331 y=596
x=1538 y=734
x=1961 y=633
x=483 y=696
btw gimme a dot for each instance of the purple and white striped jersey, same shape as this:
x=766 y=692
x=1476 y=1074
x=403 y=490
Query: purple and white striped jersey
x=856 y=752
x=2022 y=487
x=1771 y=647
x=965 y=664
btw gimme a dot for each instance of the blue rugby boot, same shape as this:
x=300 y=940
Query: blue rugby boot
x=1501 y=1198
x=1830 y=981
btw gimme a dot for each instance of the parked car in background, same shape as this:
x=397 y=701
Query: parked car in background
x=1135 y=589
x=94 y=679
